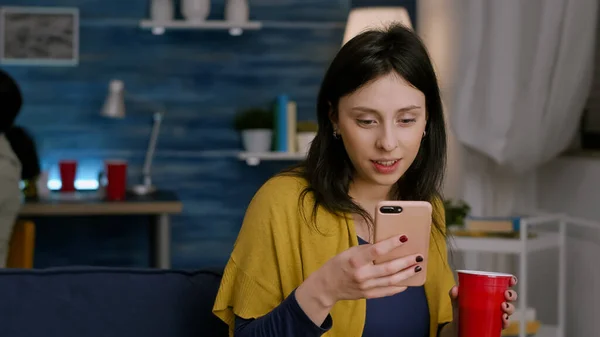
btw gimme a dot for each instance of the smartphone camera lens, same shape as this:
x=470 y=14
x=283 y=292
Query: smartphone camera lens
x=390 y=209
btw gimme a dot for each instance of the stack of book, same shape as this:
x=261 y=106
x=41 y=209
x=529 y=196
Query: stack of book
x=493 y=224
x=490 y=226
x=285 y=124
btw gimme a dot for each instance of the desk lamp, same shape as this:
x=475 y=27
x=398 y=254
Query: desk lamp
x=114 y=107
x=363 y=18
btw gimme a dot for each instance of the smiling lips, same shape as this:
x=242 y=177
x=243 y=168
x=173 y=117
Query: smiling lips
x=386 y=166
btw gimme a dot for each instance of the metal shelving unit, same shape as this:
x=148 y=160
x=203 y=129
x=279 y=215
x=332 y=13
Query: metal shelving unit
x=521 y=247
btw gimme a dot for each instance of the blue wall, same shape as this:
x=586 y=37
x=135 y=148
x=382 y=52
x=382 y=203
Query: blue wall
x=203 y=78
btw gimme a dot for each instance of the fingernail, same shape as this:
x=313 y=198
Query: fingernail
x=403 y=238
x=515 y=279
x=419 y=258
x=505 y=316
x=506 y=305
x=417 y=269
x=509 y=293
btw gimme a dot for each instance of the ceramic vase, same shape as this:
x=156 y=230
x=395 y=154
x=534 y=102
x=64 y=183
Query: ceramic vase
x=236 y=11
x=195 y=10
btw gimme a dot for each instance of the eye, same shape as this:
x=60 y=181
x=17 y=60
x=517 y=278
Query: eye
x=408 y=120
x=365 y=122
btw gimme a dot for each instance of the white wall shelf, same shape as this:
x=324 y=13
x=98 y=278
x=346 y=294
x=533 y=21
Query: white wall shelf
x=521 y=247
x=217 y=24
x=254 y=158
x=220 y=24
x=208 y=24
x=304 y=24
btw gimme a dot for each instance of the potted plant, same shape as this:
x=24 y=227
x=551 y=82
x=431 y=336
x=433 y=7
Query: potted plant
x=306 y=132
x=256 y=128
x=456 y=212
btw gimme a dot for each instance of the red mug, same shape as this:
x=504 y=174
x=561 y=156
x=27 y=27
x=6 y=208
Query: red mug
x=116 y=176
x=480 y=299
x=68 y=171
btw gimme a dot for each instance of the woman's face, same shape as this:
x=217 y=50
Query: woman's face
x=382 y=126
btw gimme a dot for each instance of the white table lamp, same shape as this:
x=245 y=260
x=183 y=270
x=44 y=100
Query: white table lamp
x=363 y=18
x=114 y=107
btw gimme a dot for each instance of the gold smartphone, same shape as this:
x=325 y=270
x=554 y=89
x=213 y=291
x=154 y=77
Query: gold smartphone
x=410 y=218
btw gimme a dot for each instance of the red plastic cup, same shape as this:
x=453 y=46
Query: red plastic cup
x=480 y=299
x=68 y=171
x=116 y=176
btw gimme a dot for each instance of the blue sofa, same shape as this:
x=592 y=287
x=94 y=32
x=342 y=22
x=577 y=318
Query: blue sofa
x=108 y=302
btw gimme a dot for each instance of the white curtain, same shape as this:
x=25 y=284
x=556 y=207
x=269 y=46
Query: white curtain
x=522 y=70
x=522 y=74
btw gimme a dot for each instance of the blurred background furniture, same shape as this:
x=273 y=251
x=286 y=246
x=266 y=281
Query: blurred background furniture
x=158 y=206
x=531 y=236
x=22 y=245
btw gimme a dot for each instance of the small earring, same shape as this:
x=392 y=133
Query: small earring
x=335 y=135
x=424 y=133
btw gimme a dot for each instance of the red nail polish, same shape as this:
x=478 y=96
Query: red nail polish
x=509 y=293
x=403 y=238
x=419 y=258
x=417 y=269
x=506 y=305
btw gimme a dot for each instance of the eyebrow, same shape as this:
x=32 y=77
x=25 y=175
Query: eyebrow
x=405 y=109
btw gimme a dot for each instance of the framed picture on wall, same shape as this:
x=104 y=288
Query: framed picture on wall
x=39 y=36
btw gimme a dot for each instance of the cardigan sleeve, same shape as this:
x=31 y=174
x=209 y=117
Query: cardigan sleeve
x=446 y=274
x=288 y=319
x=251 y=286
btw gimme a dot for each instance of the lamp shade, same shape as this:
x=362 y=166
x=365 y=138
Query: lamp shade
x=363 y=18
x=114 y=105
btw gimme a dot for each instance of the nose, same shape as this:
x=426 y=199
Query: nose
x=387 y=140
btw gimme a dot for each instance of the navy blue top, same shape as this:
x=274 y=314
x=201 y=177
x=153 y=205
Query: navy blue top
x=402 y=315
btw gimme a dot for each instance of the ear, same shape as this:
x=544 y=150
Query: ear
x=333 y=118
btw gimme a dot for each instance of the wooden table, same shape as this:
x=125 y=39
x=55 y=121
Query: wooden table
x=159 y=206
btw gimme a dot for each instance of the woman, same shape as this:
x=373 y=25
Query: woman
x=10 y=167
x=24 y=147
x=302 y=263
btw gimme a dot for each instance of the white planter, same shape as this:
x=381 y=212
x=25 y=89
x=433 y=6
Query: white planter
x=236 y=11
x=304 y=139
x=195 y=10
x=257 y=140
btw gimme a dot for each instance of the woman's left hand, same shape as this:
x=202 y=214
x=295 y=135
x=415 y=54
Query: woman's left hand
x=507 y=307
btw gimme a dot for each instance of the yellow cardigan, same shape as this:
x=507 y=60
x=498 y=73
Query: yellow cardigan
x=277 y=249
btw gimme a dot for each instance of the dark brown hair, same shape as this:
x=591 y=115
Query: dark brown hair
x=10 y=101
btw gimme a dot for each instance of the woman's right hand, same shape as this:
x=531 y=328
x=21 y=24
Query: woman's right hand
x=353 y=275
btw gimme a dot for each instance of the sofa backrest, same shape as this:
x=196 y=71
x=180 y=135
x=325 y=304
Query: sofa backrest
x=103 y=302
